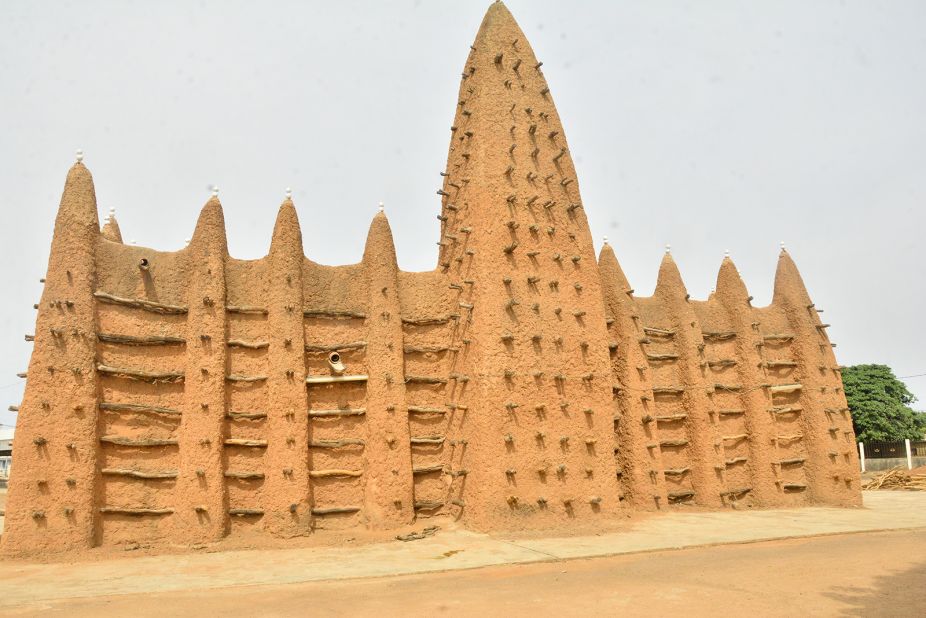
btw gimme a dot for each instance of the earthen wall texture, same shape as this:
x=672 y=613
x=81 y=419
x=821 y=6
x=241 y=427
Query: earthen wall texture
x=185 y=397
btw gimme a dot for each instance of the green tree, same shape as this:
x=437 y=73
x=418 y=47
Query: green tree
x=880 y=404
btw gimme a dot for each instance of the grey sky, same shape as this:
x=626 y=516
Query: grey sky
x=707 y=125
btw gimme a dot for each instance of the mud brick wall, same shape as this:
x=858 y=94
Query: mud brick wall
x=183 y=397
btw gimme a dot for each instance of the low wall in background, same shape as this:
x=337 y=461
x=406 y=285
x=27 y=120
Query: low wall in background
x=877 y=465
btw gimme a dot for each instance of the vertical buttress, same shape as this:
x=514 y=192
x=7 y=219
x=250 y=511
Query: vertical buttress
x=705 y=460
x=51 y=505
x=734 y=298
x=388 y=485
x=288 y=510
x=824 y=448
x=643 y=488
x=201 y=498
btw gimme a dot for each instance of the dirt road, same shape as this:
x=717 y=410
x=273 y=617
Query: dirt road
x=870 y=574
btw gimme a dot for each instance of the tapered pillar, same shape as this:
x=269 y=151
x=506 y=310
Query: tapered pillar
x=705 y=444
x=287 y=510
x=539 y=407
x=388 y=493
x=200 y=494
x=50 y=506
x=644 y=489
x=734 y=298
x=827 y=462
x=111 y=229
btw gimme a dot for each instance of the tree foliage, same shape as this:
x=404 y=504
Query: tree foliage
x=880 y=405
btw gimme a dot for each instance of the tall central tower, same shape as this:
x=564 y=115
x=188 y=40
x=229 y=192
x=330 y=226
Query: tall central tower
x=516 y=243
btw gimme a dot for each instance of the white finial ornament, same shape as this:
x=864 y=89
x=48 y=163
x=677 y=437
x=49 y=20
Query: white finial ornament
x=605 y=240
x=726 y=253
x=215 y=191
x=668 y=248
x=782 y=244
x=382 y=207
x=80 y=155
x=289 y=193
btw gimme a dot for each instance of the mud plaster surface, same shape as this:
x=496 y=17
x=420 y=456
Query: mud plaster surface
x=521 y=384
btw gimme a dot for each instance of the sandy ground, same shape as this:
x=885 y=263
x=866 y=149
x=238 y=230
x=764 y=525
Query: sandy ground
x=811 y=561
x=870 y=574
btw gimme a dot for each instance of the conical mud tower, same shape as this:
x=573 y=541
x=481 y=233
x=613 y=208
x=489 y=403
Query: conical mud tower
x=186 y=397
x=516 y=244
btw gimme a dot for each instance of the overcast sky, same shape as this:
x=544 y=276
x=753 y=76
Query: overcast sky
x=708 y=125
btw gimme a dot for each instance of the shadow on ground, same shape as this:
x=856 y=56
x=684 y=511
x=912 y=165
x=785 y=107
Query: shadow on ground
x=890 y=591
